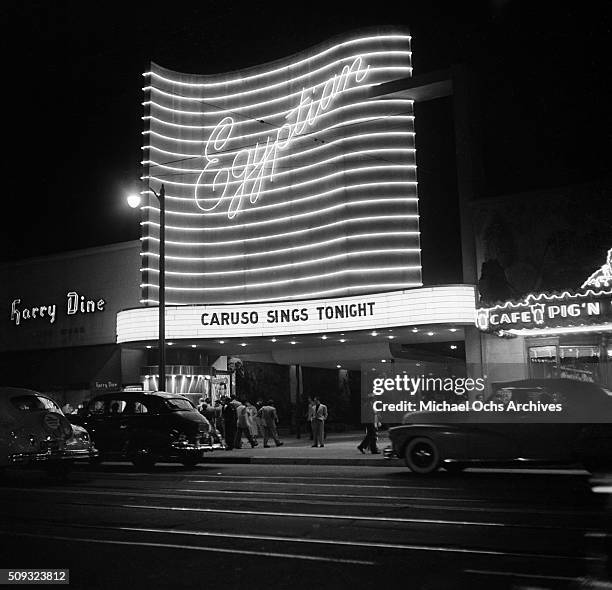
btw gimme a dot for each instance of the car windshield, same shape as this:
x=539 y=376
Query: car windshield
x=33 y=403
x=177 y=403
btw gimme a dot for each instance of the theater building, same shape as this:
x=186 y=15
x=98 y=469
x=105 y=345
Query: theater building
x=292 y=242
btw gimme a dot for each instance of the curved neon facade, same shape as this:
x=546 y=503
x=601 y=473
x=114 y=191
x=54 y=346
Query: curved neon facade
x=285 y=180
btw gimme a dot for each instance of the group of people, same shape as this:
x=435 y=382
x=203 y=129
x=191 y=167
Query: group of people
x=234 y=419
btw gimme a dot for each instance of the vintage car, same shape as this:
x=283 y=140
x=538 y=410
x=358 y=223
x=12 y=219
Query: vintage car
x=146 y=428
x=430 y=440
x=35 y=432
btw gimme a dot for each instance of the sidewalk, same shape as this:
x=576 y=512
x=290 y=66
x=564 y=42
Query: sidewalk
x=340 y=449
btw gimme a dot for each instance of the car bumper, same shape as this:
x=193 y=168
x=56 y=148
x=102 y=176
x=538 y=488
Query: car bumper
x=190 y=449
x=389 y=453
x=45 y=457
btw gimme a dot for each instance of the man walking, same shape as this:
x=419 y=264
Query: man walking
x=317 y=416
x=269 y=417
x=370 y=420
x=243 y=426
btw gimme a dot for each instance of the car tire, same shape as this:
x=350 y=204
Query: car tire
x=454 y=467
x=421 y=456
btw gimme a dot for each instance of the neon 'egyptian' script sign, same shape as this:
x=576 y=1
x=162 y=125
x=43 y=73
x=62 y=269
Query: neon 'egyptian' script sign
x=244 y=177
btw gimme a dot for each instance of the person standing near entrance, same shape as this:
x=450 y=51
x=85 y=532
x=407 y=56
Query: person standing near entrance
x=229 y=420
x=317 y=415
x=269 y=417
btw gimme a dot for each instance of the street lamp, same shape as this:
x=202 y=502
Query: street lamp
x=134 y=201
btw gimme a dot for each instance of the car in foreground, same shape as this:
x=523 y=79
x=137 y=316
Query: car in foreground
x=35 y=432
x=430 y=440
x=146 y=428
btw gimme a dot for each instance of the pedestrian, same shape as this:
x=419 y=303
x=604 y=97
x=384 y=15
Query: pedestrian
x=243 y=426
x=252 y=419
x=309 y=406
x=229 y=420
x=269 y=417
x=370 y=420
x=258 y=420
x=318 y=415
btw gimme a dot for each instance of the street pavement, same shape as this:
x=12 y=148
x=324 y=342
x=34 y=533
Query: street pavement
x=308 y=526
x=339 y=449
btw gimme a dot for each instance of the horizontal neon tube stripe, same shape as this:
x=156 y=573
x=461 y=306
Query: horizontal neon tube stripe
x=286 y=265
x=242 y=80
x=326 y=145
x=294 y=232
x=362 y=288
x=360 y=271
x=295 y=64
x=251 y=254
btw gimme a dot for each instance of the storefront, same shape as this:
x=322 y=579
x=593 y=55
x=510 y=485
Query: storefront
x=58 y=332
x=566 y=334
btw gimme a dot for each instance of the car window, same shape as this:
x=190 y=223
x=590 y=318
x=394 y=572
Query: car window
x=116 y=406
x=97 y=406
x=33 y=403
x=140 y=408
x=178 y=403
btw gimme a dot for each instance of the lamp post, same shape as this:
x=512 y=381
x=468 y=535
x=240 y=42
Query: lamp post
x=134 y=201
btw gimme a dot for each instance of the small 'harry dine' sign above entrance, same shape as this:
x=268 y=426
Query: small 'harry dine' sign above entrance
x=75 y=304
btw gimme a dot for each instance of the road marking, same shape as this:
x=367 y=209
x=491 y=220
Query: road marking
x=319 y=495
x=193 y=548
x=321 y=485
x=488 y=509
x=343 y=517
x=520 y=575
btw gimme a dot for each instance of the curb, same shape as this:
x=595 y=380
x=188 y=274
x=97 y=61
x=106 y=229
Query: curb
x=304 y=461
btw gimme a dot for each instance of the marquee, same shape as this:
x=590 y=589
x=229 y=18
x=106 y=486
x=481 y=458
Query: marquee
x=448 y=304
x=284 y=181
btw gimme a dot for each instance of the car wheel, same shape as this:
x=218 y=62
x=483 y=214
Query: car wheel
x=95 y=460
x=142 y=456
x=454 y=467
x=421 y=456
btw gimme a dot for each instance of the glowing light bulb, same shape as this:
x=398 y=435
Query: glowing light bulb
x=133 y=201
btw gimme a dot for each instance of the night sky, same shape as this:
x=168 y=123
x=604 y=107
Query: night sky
x=72 y=98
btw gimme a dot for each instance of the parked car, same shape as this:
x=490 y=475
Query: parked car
x=146 y=428
x=35 y=432
x=430 y=440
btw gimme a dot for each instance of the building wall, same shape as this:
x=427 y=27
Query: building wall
x=107 y=277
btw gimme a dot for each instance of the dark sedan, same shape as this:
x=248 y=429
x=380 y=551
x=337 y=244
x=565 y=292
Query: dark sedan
x=430 y=440
x=146 y=427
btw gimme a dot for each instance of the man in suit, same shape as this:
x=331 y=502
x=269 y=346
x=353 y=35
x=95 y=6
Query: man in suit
x=317 y=416
x=269 y=417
